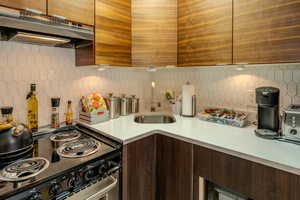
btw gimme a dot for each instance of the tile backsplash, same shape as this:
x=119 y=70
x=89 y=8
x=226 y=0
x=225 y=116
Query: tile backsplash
x=229 y=87
x=54 y=71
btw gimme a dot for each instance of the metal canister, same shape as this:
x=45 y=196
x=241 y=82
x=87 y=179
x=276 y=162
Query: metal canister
x=125 y=105
x=135 y=104
x=129 y=105
x=114 y=107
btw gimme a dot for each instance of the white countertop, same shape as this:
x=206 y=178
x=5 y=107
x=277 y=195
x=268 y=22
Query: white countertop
x=240 y=142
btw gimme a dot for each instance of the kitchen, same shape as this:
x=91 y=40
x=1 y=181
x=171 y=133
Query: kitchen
x=151 y=49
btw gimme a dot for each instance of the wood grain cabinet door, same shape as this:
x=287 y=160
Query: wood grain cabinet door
x=154 y=32
x=39 y=5
x=81 y=11
x=266 y=31
x=202 y=168
x=139 y=169
x=113 y=32
x=271 y=183
x=174 y=169
x=232 y=173
x=204 y=32
x=254 y=180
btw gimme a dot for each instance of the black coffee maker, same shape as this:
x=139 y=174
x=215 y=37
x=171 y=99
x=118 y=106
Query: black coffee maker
x=267 y=99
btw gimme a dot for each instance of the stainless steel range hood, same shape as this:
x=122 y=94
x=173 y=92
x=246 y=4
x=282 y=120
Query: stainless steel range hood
x=31 y=38
x=28 y=27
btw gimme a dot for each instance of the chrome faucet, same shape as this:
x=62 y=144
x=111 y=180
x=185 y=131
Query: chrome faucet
x=152 y=104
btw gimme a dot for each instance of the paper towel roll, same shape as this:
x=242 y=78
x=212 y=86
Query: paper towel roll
x=188 y=91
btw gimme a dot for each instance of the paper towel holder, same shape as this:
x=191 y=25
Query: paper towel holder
x=193 y=108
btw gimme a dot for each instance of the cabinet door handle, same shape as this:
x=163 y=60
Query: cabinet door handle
x=104 y=190
x=59 y=17
x=38 y=12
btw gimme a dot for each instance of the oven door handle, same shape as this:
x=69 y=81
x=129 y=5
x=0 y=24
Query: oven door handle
x=105 y=190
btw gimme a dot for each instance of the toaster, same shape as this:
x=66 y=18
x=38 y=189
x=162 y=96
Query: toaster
x=291 y=123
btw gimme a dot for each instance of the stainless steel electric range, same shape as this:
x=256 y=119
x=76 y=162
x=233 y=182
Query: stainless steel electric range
x=70 y=163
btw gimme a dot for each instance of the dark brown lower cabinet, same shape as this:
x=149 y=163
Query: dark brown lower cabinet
x=174 y=169
x=271 y=183
x=157 y=168
x=257 y=181
x=202 y=167
x=163 y=168
x=139 y=169
x=232 y=173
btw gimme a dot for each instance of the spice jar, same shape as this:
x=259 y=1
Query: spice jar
x=55 y=112
x=7 y=114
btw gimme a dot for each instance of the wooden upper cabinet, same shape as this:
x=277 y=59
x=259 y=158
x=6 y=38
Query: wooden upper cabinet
x=154 y=32
x=39 y=5
x=112 y=45
x=113 y=32
x=204 y=32
x=266 y=31
x=81 y=11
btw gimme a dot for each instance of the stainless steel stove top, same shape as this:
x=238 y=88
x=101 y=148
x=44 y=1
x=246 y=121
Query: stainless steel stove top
x=88 y=147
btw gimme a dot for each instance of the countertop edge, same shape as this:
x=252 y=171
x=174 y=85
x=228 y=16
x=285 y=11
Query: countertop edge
x=248 y=157
x=245 y=156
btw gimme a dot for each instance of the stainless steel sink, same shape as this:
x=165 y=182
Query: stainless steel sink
x=154 y=119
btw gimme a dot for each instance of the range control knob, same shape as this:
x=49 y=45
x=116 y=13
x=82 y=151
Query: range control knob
x=88 y=175
x=36 y=196
x=55 y=189
x=112 y=164
x=102 y=168
x=73 y=181
x=293 y=132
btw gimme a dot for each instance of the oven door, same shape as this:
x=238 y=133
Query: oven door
x=106 y=189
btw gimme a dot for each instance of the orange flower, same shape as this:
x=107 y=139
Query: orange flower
x=95 y=96
x=96 y=104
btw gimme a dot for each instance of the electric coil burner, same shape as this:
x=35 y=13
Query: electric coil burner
x=80 y=148
x=24 y=169
x=65 y=136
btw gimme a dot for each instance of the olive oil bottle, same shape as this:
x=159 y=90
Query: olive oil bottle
x=69 y=114
x=32 y=109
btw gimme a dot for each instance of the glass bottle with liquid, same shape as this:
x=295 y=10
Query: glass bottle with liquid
x=69 y=114
x=7 y=116
x=32 y=109
x=55 y=112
